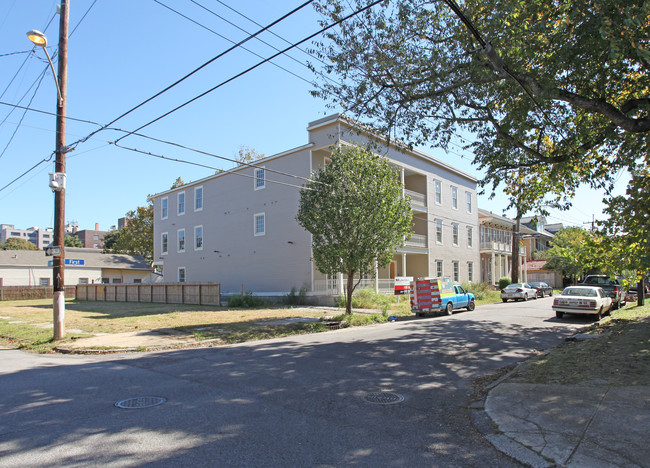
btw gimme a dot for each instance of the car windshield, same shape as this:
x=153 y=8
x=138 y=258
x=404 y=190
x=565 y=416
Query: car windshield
x=579 y=292
x=514 y=286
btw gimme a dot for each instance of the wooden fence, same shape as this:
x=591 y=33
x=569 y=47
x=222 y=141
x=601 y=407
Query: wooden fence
x=163 y=293
x=18 y=293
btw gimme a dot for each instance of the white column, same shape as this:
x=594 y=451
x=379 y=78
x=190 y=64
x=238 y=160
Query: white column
x=340 y=283
x=493 y=269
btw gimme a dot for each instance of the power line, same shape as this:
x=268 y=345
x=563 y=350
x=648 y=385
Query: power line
x=243 y=41
x=54 y=114
x=238 y=75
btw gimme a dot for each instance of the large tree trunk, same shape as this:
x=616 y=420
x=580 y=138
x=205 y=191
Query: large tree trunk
x=350 y=290
x=640 y=289
x=515 y=249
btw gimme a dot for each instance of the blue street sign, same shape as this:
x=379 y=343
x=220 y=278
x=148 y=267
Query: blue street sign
x=69 y=261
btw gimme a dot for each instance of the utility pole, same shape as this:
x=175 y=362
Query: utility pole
x=58 y=273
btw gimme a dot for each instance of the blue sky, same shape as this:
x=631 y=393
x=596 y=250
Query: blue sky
x=121 y=53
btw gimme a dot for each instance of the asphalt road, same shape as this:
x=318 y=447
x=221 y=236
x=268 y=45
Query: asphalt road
x=300 y=401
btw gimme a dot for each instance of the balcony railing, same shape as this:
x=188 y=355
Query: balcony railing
x=332 y=287
x=500 y=247
x=417 y=240
x=417 y=198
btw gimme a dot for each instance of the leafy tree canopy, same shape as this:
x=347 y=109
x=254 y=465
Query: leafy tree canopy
x=557 y=87
x=136 y=238
x=355 y=211
x=14 y=243
x=72 y=241
x=247 y=155
x=569 y=253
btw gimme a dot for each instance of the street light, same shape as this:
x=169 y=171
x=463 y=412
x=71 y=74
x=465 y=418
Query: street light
x=57 y=180
x=39 y=39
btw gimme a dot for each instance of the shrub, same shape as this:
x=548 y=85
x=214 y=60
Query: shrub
x=247 y=300
x=369 y=299
x=480 y=290
x=296 y=298
x=503 y=282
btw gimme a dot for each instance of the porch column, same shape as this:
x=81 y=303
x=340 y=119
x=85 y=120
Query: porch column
x=339 y=279
x=376 y=277
x=404 y=265
x=493 y=269
x=401 y=179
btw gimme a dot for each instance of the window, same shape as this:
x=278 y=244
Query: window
x=181 y=274
x=163 y=243
x=468 y=197
x=456 y=270
x=164 y=208
x=105 y=281
x=469 y=236
x=95 y=246
x=470 y=271
x=117 y=280
x=198 y=198
x=438 y=231
x=260 y=180
x=198 y=237
x=454 y=230
x=95 y=237
x=260 y=224
x=181 y=240
x=454 y=198
x=44 y=281
x=438 y=185
x=439 y=268
x=137 y=281
x=181 y=203
x=83 y=280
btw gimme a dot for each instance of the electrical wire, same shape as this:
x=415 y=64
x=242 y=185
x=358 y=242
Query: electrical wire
x=54 y=114
x=238 y=75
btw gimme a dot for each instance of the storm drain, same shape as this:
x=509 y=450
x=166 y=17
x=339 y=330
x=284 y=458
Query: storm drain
x=140 y=402
x=383 y=398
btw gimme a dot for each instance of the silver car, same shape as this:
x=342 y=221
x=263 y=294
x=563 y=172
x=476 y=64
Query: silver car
x=518 y=292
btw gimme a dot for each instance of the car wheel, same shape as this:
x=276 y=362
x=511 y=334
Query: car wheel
x=471 y=306
x=525 y=296
x=559 y=314
x=504 y=300
x=449 y=308
x=551 y=293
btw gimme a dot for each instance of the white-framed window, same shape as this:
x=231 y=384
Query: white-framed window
x=198 y=237
x=468 y=201
x=116 y=280
x=164 y=208
x=96 y=237
x=439 y=272
x=181 y=203
x=438 y=188
x=44 y=281
x=259 y=224
x=470 y=271
x=181 y=274
x=438 y=231
x=198 y=198
x=164 y=246
x=456 y=270
x=470 y=236
x=454 y=198
x=181 y=240
x=260 y=178
x=454 y=233
x=83 y=280
x=137 y=281
x=106 y=280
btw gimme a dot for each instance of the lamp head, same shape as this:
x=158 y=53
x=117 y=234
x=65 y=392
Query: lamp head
x=37 y=37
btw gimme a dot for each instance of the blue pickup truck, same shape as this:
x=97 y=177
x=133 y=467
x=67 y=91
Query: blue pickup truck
x=457 y=298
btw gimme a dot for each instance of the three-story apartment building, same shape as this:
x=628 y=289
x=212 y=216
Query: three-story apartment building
x=238 y=227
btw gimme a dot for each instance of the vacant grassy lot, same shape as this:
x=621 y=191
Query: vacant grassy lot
x=619 y=356
x=28 y=324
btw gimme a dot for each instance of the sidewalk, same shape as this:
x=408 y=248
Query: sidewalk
x=567 y=425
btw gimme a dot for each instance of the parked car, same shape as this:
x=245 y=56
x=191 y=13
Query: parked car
x=542 y=288
x=633 y=294
x=582 y=300
x=612 y=287
x=518 y=292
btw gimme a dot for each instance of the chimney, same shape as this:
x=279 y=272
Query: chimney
x=96 y=226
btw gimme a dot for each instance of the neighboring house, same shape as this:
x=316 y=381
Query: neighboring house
x=537 y=238
x=83 y=266
x=496 y=247
x=238 y=227
x=536 y=272
x=41 y=238
x=91 y=239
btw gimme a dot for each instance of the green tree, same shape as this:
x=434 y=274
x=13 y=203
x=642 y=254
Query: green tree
x=177 y=183
x=569 y=253
x=110 y=239
x=14 y=243
x=623 y=240
x=559 y=84
x=247 y=155
x=355 y=211
x=72 y=241
x=136 y=238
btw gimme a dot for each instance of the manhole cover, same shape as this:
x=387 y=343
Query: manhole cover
x=140 y=402
x=384 y=398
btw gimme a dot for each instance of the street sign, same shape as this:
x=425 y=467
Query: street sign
x=69 y=261
x=54 y=250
